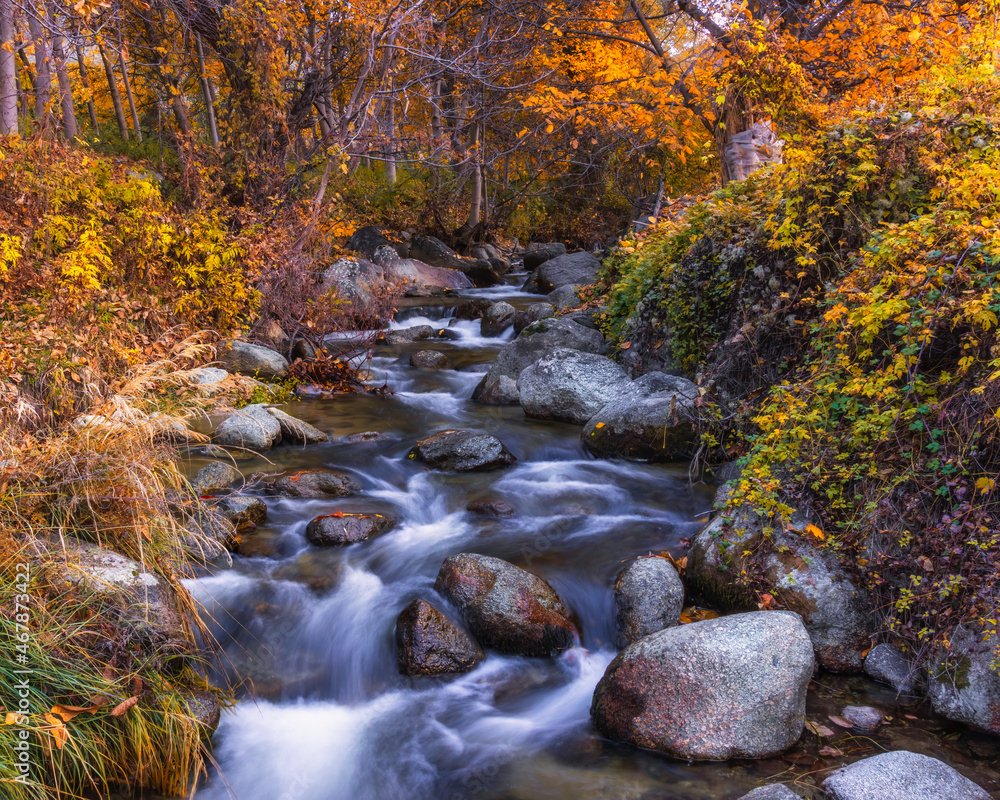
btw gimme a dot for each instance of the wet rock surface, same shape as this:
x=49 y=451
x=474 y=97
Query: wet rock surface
x=733 y=687
x=430 y=359
x=537 y=254
x=463 y=451
x=340 y=528
x=215 y=477
x=314 y=483
x=568 y=269
x=428 y=643
x=569 y=385
x=243 y=511
x=295 y=431
x=533 y=313
x=497 y=319
x=649 y=597
x=962 y=684
x=901 y=774
x=506 y=608
x=250 y=428
x=499 y=385
x=491 y=507
x=885 y=664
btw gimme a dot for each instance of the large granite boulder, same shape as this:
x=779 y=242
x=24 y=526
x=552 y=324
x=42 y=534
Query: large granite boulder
x=244 y=358
x=963 y=684
x=430 y=359
x=463 y=451
x=428 y=643
x=409 y=272
x=499 y=385
x=250 y=428
x=436 y=253
x=572 y=268
x=654 y=420
x=243 y=511
x=537 y=254
x=649 y=597
x=565 y=297
x=570 y=386
x=900 y=774
x=506 y=607
x=807 y=580
x=355 y=280
x=369 y=239
x=733 y=687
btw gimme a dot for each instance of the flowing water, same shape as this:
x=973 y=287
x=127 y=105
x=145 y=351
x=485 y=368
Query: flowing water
x=308 y=633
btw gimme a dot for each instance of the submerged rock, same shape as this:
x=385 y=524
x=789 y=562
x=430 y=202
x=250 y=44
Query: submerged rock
x=416 y=333
x=463 y=451
x=506 y=608
x=499 y=385
x=253 y=360
x=776 y=791
x=864 y=718
x=733 y=687
x=342 y=528
x=900 y=774
x=315 y=569
x=428 y=643
x=649 y=597
x=491 y=507
x=295 y=431
x=569 y=386
x=315 y=483
x=430 y=359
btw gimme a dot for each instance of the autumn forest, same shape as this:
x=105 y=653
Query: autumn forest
x=499 y=399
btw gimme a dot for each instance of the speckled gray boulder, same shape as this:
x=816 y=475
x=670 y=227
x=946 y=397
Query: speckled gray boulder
x=652 y=420
x=243 y=511
x=900 y=775
x=564 y=297
x=506 y=607
x=537 y=254
x=250 y=428
x=428 y=643
x=416 y=333
x=776 y=791
x=961 y=683
x=498 y=317
x=463 y=451
x=215 y=477
x=807 y=580
x=253 y=360
x=430 y=359
x=649 y=597
x=885 y=664
x=570 y=268
x=733 y=687
x=533 y=313
x=499 y=385
x=569 y=386
x=295 y=431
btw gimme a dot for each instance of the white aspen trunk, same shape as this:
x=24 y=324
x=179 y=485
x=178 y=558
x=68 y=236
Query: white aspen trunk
x=8 y=71
x=85 y=82
x=209 y=95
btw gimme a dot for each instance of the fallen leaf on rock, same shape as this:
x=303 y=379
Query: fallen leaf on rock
x=819 y=729
x=832 y=752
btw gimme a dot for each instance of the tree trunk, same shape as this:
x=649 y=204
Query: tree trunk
x=128 y=94
x=475 y=208
x=85 y=82
x=8 y=71
x=65 y=87
x=116 y=97
x=390 y=135
x=43 y=76
x=206 y=90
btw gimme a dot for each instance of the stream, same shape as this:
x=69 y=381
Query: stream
x=307 y=634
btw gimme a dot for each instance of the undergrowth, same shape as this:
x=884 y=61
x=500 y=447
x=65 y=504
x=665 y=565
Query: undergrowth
x=852 y=345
